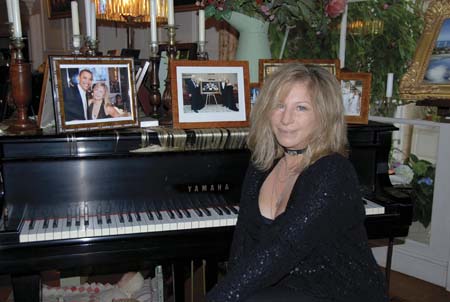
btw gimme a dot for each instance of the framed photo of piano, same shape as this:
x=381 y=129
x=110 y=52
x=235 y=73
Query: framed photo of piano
x=210 y=94
x=91 y=93
x=355 y=87
x=268 y=66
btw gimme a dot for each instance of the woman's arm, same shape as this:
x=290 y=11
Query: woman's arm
x=322 y=205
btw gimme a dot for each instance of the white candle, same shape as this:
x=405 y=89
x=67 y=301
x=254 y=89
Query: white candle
x=93 y=21
x=153 y=34
x=87 y=15
x=75 y=21
x=201 y=25
x=343 y=37
x=389 y=85
x=9 y=9
x=17 y=25
x=171 y=14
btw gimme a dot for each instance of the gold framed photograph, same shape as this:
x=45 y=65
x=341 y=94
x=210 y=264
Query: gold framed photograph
x=428 y=76
x=58 y=9
x=355 y=87
x=93 y=93
x=268 y=66
x=208 y=94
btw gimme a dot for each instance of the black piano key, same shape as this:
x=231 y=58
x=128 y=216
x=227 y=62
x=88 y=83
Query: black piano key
x=99 y=220
x=233 y=209
x=206 y=211
x=158 y=215
x=129 y=217
x=45 y=226
x=69 y=222
x=138 y=217
x=226 y=210
x=149 y=215
x=108 y=219
x=178 y=213
x=218 y=210
x=121 y=219
x=198 y=212
x=86 y=221
x=55 y=223
x=31 y=226
x=186 y=213
x=171 y=214
x=77 y=222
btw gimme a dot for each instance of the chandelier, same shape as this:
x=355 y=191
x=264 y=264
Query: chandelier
x=130 y=11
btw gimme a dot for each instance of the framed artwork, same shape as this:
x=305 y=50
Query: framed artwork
x=208 y=94
x=268 y=66
x=428 y=76
x=93 y=93
x=58 y=9
x=355 y=88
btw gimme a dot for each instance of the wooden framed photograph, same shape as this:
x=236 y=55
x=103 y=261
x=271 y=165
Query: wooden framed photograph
x=428 y=76
x=58 y=9
x=207 y=94
x=93 y=93
x=268 y=66
x=355 y=88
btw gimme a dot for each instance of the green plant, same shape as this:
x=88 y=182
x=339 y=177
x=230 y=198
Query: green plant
x=376 y=52
x=422 y=186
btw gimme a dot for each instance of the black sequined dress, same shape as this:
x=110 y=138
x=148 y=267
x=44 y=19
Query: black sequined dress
x=317 y=247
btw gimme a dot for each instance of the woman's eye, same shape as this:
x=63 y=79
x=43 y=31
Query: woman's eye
x=280 y=106
x=301 y=108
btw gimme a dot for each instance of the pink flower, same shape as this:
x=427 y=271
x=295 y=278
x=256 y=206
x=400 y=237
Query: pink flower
x=385 y=6
x=335 y=7
x=265 y=10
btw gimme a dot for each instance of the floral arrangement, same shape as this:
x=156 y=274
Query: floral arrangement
x=280 y=11
x=419 y=174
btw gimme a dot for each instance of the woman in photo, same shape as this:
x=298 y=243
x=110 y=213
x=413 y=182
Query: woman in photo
x=300 y=234
x=99 y=106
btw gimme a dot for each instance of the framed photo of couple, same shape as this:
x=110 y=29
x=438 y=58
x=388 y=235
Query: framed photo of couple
x=91 y=93
x=208 y=94
x=355 y=87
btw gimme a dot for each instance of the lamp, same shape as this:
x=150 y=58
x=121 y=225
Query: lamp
x=132 y=13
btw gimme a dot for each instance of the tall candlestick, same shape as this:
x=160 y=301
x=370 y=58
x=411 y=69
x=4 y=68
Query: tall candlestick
x=17 y=25
x=389 y=85
x=343 y=37
x=9 y=9
x=171 y=14
x=201 y=25
x=87 y=15
x=93 y=22
x=153 y=34
x=75 y=20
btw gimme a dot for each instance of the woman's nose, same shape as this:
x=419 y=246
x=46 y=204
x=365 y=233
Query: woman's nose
x=286 y=117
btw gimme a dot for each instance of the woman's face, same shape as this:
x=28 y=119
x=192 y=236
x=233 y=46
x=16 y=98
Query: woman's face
x=99 y=92
x=293 y=120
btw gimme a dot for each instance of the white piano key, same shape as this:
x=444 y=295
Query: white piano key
x=97 y=227
x=372 y=208
x=112 y=226
x=57 y=230
x=150 y=224
x=73 y=232
x=90 y=228
x=24 y=232
x=106 y=230
x=120 y=225
x=138 y=225
x=50 y=230
x=40 y=231
x=65 y=231
x=128 y=225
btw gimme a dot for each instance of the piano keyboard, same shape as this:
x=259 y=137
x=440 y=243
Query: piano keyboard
x=140 y=222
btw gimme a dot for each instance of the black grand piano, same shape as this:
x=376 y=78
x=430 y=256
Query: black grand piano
x=125 y=200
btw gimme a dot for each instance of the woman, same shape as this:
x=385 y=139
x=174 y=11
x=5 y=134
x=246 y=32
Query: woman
x=300 y=235
x=99 y=106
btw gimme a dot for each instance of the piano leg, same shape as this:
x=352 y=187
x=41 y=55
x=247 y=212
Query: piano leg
x=211 y=274
x=389 y=261
x=27 y=288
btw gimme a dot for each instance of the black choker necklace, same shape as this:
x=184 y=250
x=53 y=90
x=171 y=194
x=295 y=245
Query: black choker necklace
x=294 y=152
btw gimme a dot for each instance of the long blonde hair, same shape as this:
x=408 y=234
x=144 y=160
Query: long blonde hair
x=105 y=97
x=325 y=92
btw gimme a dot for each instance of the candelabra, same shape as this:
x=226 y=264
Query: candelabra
x=167 y=94
x=155 y=95
x=76 y=45
x=91 y=45
x=202 y=55
x=20 y=78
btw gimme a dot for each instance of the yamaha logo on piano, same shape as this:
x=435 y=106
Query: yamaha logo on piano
x=197 y=188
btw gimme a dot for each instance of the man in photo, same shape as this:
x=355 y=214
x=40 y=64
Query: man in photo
x=76 y=97
x=193 y=89
x=226 y=90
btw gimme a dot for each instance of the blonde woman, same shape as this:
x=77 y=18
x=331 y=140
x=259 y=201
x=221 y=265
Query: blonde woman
x=300 y=234
x=99 y=105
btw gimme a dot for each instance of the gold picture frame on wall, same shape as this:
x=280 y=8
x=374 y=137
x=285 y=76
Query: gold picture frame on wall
x=428 y=77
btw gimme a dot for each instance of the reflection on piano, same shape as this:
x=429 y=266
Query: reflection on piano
x=102 y=202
